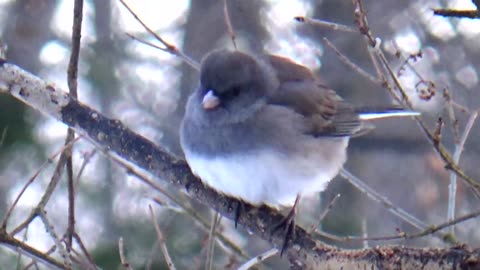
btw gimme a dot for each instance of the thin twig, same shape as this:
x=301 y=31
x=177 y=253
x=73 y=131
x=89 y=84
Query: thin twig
x=228 y=22
x=322 y=23
x=46 y=196
x=121 y=253
x=349 y=63
x=211 y=241
x=258 y=259
x=72 y=74
x=168 y=47
x=372 y=194
x=204 y=224
x=452 y=189
x=32 y=179
x=439 y=148
x=364 y=233
x=51 y=231
x=19 y=246
x=430 y=230
x=86 y=159
x=471 y=14
x=324 y=213
x=89 y=257
x=161 y=240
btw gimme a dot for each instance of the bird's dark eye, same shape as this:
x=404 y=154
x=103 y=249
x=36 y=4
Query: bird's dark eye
x=235 y=91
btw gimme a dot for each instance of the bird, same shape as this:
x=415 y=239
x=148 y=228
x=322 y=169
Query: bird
x=264 y=129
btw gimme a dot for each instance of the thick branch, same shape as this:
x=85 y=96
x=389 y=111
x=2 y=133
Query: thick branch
x=304 y=252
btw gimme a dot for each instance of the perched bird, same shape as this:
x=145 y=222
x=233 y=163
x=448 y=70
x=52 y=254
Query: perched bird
x=264 y=129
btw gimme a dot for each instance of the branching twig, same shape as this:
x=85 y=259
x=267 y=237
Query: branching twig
x=204 y=224
x=54 y=236
x=372 y=194
x=439 y=148
x=18 y=246
x=31 y=180
x=430 y=230
x=161 y=240
x=168 y=47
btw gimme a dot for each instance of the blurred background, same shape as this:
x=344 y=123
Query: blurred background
x=147 y=88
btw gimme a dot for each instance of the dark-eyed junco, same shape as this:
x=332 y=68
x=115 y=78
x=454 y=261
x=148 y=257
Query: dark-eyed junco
x=263 y=129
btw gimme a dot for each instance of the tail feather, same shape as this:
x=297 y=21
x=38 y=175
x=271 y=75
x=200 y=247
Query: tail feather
x=371 y=113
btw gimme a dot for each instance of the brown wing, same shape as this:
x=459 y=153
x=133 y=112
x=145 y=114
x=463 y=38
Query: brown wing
x=326 y=112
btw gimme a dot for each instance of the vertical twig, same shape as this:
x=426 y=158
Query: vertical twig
x=452 y=187
x=211 y=241
x=364 y=233
x=72 y=74
x=228 y=22
x=123 y=259
x=161 y=240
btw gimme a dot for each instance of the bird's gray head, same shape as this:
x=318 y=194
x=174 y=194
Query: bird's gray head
x=233 y=86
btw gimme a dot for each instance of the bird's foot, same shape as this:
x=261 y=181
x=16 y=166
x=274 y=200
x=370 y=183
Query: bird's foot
x=287 y=224
x=239 y=210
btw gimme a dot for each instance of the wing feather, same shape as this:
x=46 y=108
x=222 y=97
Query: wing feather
x=326 y=113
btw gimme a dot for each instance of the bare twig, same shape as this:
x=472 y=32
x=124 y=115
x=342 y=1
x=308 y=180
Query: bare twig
x=123 y=259
x=204 y=224
x=89 y=257
x=228 y=22
x=349 y=63
x=365 y=232
x=51 y=231
x=161 y=240
x=452 y=189
x=372 y=194
x=397 y=211
x=314 y=226
x=72 y=86
x=31 y=180
x=86 y=159
x=430 y=230
x=258 y=259
x=168 y=47
x=46 y=196
x=439 y=148
x=18 y=246
x=322 y=23
x=211 y=241
x=472 y=14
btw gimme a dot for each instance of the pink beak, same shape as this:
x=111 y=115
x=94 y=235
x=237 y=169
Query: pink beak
x=210 y=101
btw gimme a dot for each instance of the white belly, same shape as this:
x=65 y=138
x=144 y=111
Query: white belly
x=271 y=178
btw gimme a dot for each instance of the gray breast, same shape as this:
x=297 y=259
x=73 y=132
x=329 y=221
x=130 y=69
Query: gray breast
x=271 y=127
